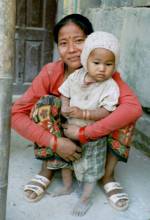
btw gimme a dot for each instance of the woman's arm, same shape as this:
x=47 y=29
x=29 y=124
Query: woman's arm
x=21 y=109
x=128 y=111
x=21 y=122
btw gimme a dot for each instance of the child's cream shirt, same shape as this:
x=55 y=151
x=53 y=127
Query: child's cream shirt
x=99 y=94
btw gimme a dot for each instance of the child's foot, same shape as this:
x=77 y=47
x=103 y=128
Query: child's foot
x=62 y=191
x=81 y=207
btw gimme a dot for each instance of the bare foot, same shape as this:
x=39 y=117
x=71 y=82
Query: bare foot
x=81 y=207
x=62 y=191
x=67 y=182
x=85 y=201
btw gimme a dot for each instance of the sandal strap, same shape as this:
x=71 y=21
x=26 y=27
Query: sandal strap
x=41 y=180
x=37 y=189
x=119 y=196
x=108 y=187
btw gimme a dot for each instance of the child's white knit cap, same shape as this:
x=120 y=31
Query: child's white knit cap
x=99 y=39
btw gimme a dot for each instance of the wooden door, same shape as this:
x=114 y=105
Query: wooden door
x=34 y=40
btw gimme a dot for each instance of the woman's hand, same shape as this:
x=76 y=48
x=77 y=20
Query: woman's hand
x=71 y=131
x=68 y=150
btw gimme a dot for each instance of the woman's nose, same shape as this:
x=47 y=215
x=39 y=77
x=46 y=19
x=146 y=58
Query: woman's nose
x=71 y=46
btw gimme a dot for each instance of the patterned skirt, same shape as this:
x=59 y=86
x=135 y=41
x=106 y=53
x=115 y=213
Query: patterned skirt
x=119 y=142
x=46 y=113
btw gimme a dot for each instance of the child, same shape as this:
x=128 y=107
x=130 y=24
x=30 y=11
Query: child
x=90 y=94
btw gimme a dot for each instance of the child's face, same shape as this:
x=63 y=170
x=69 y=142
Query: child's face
x=100 y=65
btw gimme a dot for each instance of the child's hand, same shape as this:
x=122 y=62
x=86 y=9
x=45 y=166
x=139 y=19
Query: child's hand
x=75 y=112
x=65 y=111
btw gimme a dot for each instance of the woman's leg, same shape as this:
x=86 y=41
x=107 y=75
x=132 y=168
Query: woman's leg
x=109 y=177
x=46 y=112
x=111 y=163
x=118 y=145
x=43 y=172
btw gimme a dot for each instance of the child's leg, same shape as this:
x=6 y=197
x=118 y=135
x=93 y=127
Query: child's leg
x=67 y=182
x=88 y=170
x=84 y=202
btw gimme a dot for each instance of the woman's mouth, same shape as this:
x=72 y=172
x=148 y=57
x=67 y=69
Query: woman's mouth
x=74 y=59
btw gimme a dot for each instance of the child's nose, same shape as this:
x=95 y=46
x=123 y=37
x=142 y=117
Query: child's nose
x=101 y=67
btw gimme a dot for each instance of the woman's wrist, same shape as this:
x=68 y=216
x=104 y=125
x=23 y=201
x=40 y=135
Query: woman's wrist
x=54 y=144
x=81 y=135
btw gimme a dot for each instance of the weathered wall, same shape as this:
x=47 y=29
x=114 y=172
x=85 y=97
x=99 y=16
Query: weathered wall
x=131 y=25
x=124 y=3
x=141 y=3
x=7 y=33
x=129 y=21
x=116 y=3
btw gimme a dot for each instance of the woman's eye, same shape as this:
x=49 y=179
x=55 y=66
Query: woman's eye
x=79 y=41
x=62 y=44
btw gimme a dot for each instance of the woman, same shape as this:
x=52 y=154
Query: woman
x=69 y=34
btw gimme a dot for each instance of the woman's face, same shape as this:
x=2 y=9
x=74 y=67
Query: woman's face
x=70 y=44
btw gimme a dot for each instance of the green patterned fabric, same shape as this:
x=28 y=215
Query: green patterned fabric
x=46 y=113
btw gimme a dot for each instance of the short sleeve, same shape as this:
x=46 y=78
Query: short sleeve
x=110 y=96
x=64 y=89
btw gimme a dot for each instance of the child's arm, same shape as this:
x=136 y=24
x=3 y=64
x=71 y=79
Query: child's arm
x=65 y=103
x=106 y=103
x=75 y=112
x=85 y=114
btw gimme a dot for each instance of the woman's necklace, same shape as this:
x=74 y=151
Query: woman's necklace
x=67 y=73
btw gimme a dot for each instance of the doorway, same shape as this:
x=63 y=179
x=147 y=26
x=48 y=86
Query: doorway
x=35 y=20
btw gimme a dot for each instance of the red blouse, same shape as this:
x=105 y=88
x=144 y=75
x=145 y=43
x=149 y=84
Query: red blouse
x=47 y=82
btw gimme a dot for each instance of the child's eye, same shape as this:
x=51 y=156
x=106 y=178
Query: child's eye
x=109 y=64
x=96 y=62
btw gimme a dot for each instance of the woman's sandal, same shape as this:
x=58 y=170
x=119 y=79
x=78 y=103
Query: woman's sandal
x=39 y=189
x=116 y=197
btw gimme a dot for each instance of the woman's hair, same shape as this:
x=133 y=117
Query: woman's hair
x=78 y=19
